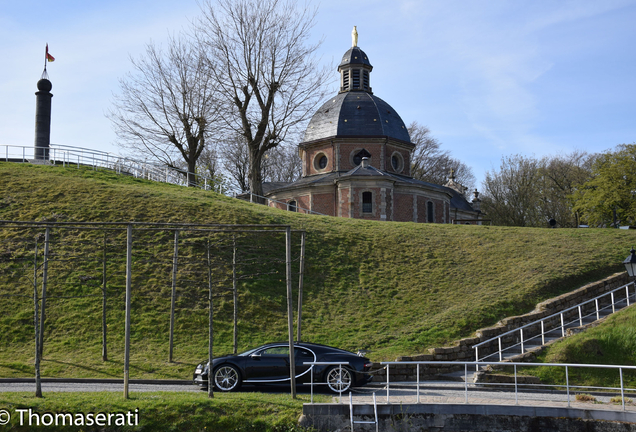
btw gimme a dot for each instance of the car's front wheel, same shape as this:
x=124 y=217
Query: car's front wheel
x=339 y=379
x=227 y=378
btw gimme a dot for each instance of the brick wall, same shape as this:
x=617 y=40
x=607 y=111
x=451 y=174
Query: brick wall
x=403 y=210
x=464 y=351
x=310 y=169
x=324 y=203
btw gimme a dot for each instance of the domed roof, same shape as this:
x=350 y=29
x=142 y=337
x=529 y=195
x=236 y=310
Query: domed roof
x=356 y=114
x=354 y=56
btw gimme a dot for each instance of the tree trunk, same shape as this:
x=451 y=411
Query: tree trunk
x=254 y=176
x=192 y=167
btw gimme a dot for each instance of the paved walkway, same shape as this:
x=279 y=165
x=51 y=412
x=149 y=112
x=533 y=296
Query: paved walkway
x=454 y=393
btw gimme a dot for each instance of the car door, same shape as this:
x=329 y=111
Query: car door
x=268 y=365
x=302 y=355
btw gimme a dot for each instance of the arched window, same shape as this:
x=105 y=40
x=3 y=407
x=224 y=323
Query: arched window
x=430 y=212
x=291 y=206
x=367 y=202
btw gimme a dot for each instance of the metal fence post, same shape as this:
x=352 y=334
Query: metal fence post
x=211 y=326
x=173 y=295
x=613 y=304
x=542 y=333
x=580 y=316
x=500 y=352
x=418 y=383
x=465 y=383
x=290 y=314
x=598 y=317
x=129 y=243
x=567 y=384
x=300 y=283
x=38 y=381
x=521 y=332
x=620 y=372
x=516 y=388
x=387 y=382
x=104 y=328
x=562 y=326
x=45 y=269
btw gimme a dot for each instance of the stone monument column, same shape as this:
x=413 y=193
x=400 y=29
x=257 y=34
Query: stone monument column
x=43 y=119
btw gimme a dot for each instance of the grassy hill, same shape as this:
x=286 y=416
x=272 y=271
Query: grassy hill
x=391 y=288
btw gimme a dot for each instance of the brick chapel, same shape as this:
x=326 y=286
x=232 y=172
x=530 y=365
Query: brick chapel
x=356 y=161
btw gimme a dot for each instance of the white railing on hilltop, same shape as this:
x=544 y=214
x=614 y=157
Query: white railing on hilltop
x=70 y=156
x=78 y=156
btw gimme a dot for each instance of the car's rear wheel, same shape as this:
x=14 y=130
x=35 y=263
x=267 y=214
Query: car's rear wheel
x=227 y=378
x=339 y=379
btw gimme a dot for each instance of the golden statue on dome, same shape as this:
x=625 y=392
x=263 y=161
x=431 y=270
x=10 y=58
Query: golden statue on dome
x=354 y=37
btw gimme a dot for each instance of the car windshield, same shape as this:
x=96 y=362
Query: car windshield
x=248 y=352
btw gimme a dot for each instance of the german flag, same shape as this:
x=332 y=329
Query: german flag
x=49 y=57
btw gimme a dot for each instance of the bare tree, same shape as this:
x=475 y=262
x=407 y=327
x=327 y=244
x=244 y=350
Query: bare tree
x=166 y=108
x=282 y=164
x=235 y=159
x=264 y=69
x=432 y=164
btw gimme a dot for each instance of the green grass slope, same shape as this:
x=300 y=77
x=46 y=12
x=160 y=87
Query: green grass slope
x=613 y=342
x=391 y=288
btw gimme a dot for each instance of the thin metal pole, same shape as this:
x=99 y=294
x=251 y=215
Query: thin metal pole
x=500 y=353
x=465 y=383
x=311 y=385
x=476 y=359
x=388 y=379
x=104 y=328
x=542 y=333
x=521 y=331
x=597 y=312
x=620 y=372
x=290 y=314
x=38 y=381
x=235 y=293
x=173 y=296
x=418 y=383
x=580 y=316
x=562 y=326
x=516 y=388
x=211 y=326
x=567 y=384
x=300 y=283
x=627 y=294
x=129 y=244
x=45 y=269
x=613 y=305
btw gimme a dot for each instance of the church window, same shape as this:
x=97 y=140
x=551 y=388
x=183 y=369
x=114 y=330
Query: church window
x=365 y=79
x=322 y=162
x=357 y=158
x=397 y=162
x=367 y=202
x=292 y=206
x=356 y=78
x=345 y=80
x=430 y=212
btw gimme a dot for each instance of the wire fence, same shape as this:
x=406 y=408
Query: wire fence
x=175 y=270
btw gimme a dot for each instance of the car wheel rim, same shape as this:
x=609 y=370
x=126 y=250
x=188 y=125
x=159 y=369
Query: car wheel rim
x=226 y=378
x=338 y=381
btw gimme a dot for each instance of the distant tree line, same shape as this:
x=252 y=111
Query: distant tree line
x=575 y=189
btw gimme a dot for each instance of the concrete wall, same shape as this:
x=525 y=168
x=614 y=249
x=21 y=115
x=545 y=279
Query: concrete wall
x=460 y=418
x=463 y=350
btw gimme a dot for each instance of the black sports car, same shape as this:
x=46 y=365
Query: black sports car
x=269 y=364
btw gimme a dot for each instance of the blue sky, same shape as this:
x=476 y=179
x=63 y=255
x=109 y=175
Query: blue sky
x=489 y=78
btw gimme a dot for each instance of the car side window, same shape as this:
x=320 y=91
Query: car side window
x=302 y=353
x=276 y=351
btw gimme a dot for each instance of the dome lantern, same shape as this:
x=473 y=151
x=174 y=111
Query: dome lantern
x=355 y=69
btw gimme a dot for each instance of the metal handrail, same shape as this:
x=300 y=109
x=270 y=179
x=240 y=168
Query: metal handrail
x=558 y=314
x=96 y=158
x=311 y=383
x=567 y=385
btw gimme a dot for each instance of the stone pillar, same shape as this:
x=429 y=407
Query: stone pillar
x=43 y=119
